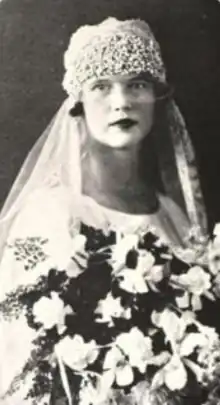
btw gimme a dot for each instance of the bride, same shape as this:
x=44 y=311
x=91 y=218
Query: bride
x=117 y=158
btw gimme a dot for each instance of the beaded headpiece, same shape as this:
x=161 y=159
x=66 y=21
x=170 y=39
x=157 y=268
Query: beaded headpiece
x=111 y=48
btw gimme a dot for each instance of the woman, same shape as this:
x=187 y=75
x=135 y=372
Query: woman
x=116 y=157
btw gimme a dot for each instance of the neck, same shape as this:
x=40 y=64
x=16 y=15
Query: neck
x=112 y=176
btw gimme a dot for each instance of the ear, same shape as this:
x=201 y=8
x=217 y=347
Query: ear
x=77 y=110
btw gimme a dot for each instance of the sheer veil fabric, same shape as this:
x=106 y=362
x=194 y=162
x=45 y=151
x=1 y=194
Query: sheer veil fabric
x=43 y=202
x=109 y=48
x=55 y=160
x=46 y=201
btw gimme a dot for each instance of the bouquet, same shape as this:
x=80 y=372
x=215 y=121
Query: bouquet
x=125 y=321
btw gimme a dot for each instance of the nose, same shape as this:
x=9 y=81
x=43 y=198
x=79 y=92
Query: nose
x=119 y=98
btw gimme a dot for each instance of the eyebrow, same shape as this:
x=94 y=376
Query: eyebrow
x=141 y=76
x=98 y=81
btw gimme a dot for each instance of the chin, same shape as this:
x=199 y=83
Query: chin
x=120 y=145
x=122 y=140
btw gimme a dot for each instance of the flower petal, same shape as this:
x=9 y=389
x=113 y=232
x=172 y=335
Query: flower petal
x=183 y=301
x=79 y=243
x=73 y=270
x=133 y=282
x=196 y=303
x=160 y=359
x=172 y=325
x=157 y=274
x=190 y=342
x=76 y=353
x=145 y=262
x=124 y=375
x=113 y=356
x=175 y=376
x=107 y=379
x=141 y=392
x=123 y=246
x=158 y=379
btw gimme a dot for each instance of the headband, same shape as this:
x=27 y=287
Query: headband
x=111 y=48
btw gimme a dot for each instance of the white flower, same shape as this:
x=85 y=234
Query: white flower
x=211 y=340
x=196 y=282
x=145 y=261
x=96 y=391
x=137 y=280
x=209 y=332
x=183 y=301
x=74 y=268
x=137 y=347
x=121 y=249
x=141 y=393
x=79 y=242
x=120 y=368
x=88 y=394
x=213 y=251
x=110 y=308
x=183 y=345
x=188 y=317
x=146 y=267
x=60 y=255
x=173 y=375
x=204 y=345
x=75 y=353
x=133 y=282
x=79 y=258
x=190 y=342
x=51 y=312
x=173 y=326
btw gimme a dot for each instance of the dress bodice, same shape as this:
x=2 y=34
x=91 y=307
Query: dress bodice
x=169 y=222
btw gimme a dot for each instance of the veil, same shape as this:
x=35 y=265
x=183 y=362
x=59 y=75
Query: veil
x=55 y=163
x=55 y=160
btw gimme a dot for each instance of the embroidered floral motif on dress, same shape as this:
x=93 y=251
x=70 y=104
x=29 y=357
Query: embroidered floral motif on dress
x=29 y=251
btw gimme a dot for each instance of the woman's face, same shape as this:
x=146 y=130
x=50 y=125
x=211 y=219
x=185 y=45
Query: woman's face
x=119 y=110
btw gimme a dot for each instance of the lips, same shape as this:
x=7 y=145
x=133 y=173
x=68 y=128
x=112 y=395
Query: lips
x=124 y=123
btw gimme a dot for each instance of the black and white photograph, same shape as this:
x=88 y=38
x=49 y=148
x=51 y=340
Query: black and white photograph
x=109 y=202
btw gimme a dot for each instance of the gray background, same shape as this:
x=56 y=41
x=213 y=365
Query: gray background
x=34 y=35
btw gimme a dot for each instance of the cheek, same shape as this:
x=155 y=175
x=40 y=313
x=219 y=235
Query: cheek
x=93 y=109
x=95 y=117
x=147 y=115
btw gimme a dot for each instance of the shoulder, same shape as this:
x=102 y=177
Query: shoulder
x=44 y=212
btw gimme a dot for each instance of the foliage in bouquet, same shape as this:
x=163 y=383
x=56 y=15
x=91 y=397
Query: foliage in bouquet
x=126 y=320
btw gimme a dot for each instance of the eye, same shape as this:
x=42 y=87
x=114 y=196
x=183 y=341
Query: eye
x=100 y=86
x=139 y=85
